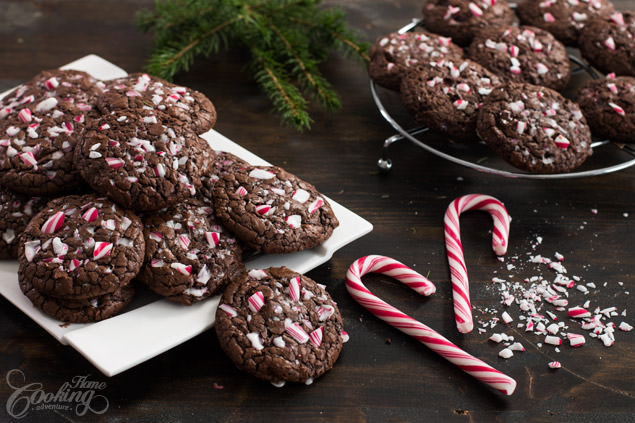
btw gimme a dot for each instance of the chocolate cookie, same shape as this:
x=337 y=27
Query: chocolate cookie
x=447 y=94
x=141 y=162
x=535 y=128
x=79 y=311
x=609 y=107
x=272 y=210
x=462 y=19
x=190 y=108
x=224 y=162
x=279 y=326
x=189 y=256
x=394 y=53
x=80 y=247
x=15 y=212
x=608 y=43
x=563 y=18
x=522 y=54
x=40 y=129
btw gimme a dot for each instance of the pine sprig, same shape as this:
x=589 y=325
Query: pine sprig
x=287 y=41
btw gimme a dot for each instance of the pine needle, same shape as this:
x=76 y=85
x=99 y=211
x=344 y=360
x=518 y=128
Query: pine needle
x=287 y=41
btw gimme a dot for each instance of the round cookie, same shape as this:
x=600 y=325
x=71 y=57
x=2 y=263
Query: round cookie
x=446 y=95
x=189 y=257
x=271 y=210
x=76 y=87
x=141 y=162
x=79 y=311
x=38 y=135
x=609 y=107
x=190 y=108
x=565 y=19
x=279 y=326
x=81 y=247
x=15 y=212
x=393 y=54
x=522 y=54
x=462 y=19
x=608 y=43
x=535 y=128
x=223 y=163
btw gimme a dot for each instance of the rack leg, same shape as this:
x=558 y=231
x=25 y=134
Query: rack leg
x=384 y=163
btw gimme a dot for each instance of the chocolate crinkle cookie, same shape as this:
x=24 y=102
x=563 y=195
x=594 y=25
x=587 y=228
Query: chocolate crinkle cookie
x=189 y=256
x=608 y=43
x=188 y=107
x=446 y=95
x=40 y=123
x=609 y=107
x=141 y=160
x=522 y=54
x=462 y=19
x=223 y=163
x=272 y=210
x=279 y=326
x=81 y=310
x=15 y=213
x=565 y=19
x=81 y=247
x=535 y=128
x=391 y=55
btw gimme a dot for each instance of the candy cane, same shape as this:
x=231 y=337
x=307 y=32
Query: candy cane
x=422 y=333
x=458 y=271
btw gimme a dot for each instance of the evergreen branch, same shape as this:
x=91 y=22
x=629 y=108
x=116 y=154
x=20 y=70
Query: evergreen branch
x=287 y=39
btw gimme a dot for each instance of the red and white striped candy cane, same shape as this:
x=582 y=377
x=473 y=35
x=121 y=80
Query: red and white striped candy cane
x=458 y=271
x=422 y=333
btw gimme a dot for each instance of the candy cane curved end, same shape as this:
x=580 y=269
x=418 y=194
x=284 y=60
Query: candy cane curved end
x=422 y=333
x=456 y=260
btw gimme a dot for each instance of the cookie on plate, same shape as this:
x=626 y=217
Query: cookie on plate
x=565 y=19
x=279 y=326
x=272 y=210
x=42 y=122
x=188 y=107
x=609 y=107
x=15 y=212
x=394 y=53
x=80 y=247
x=224 y=162
x=608 y=43
x=522 y=54
x=141 y=162
x=462 y=19
x=535 y=128
x=446 y=95
x=79 y=311
x=189 y=256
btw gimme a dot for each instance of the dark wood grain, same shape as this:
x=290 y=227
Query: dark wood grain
x=382 y=375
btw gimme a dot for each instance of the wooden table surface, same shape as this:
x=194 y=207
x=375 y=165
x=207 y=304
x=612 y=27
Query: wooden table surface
x=381 y=375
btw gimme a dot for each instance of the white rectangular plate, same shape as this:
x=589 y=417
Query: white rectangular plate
x=156 y=325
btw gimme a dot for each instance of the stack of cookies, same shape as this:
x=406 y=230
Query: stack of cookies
x=505 y=92
x=82 y=160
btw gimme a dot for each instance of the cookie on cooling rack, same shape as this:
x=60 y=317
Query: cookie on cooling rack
x=609 y=107
x=534 y=128
x=608 y=43
x=522 y=54
x=393 y=54
x=280 y=326
x=565 y=19
x=447 y=94
x=462 y=19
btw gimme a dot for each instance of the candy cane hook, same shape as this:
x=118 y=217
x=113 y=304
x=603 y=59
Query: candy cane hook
x=422 y=333
x=458 y=271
